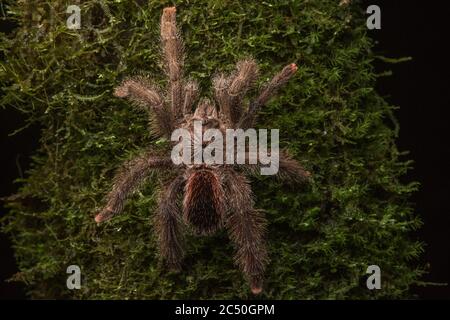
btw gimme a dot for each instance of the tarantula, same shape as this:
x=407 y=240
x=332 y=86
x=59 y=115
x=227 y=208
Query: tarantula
x=213 y=196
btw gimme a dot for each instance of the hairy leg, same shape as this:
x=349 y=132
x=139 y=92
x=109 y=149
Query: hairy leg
x=144 y=94
x=173 y=54
x=230 y=90
x=167 y=224
x=268 y=92
x=289 y=169
x=128 y=179
x=246 y=227
x=190 y=95
x=182 y=93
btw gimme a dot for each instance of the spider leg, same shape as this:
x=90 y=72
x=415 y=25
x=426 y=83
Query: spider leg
x=127 y=180
x=173 y=53
x=267 y=92
x=289 y=169
x=230 y=90
x=167 y=225
x=147 y=96
x=246 y=227
x=190 y=95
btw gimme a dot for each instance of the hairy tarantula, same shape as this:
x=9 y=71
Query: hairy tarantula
x=214 y=196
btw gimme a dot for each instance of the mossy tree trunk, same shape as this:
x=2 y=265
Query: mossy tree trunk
x=322 y=237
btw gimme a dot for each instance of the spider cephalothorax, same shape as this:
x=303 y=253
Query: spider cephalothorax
x=204 y=197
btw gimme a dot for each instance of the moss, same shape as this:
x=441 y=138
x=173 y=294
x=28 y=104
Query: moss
x=322 y=237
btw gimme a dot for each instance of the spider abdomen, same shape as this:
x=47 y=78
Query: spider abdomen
x=203 y=207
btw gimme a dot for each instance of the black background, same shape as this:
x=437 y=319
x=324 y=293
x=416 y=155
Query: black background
x=421 y=87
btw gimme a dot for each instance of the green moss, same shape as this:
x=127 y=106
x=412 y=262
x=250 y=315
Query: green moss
x=322 y=237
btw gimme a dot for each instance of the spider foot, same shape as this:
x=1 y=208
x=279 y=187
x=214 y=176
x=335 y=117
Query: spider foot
x=256 y=285
x=104 y=215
